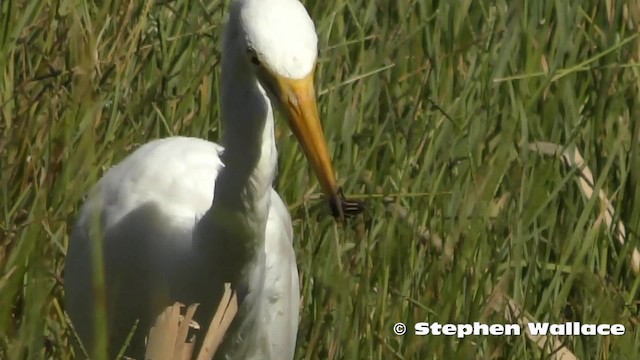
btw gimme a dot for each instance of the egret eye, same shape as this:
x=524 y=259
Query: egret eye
x=254 y=58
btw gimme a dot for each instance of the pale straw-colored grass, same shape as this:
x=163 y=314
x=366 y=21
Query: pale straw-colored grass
x=169 y=337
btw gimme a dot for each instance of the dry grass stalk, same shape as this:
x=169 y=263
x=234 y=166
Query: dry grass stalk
x=227 y=310
x=573 y=158
x=512 y=311
x=168 y=337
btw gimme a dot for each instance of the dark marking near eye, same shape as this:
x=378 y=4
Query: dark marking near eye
x=254 y=58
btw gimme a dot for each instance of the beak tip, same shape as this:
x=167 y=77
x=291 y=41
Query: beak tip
x=336 y=207
x=342 y=208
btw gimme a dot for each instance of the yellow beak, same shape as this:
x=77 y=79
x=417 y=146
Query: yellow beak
x=298 y=100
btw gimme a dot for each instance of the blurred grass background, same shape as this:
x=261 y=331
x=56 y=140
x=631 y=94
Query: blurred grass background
x=428 y=106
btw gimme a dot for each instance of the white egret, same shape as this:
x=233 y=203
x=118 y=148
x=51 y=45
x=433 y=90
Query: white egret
x=179 y=217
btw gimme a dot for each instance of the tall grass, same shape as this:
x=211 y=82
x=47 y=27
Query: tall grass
x=429 y=108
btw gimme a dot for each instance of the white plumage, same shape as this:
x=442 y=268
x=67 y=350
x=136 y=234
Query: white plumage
x=181 y=216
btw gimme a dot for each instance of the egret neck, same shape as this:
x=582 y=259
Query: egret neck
x=242 y=193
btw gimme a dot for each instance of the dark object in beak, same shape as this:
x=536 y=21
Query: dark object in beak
x=342 y=208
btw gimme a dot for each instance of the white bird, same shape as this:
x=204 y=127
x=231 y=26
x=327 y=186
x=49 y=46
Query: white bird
x=179 y=217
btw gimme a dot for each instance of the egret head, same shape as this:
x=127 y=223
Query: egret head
x=279 y=36
x=279 y=45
